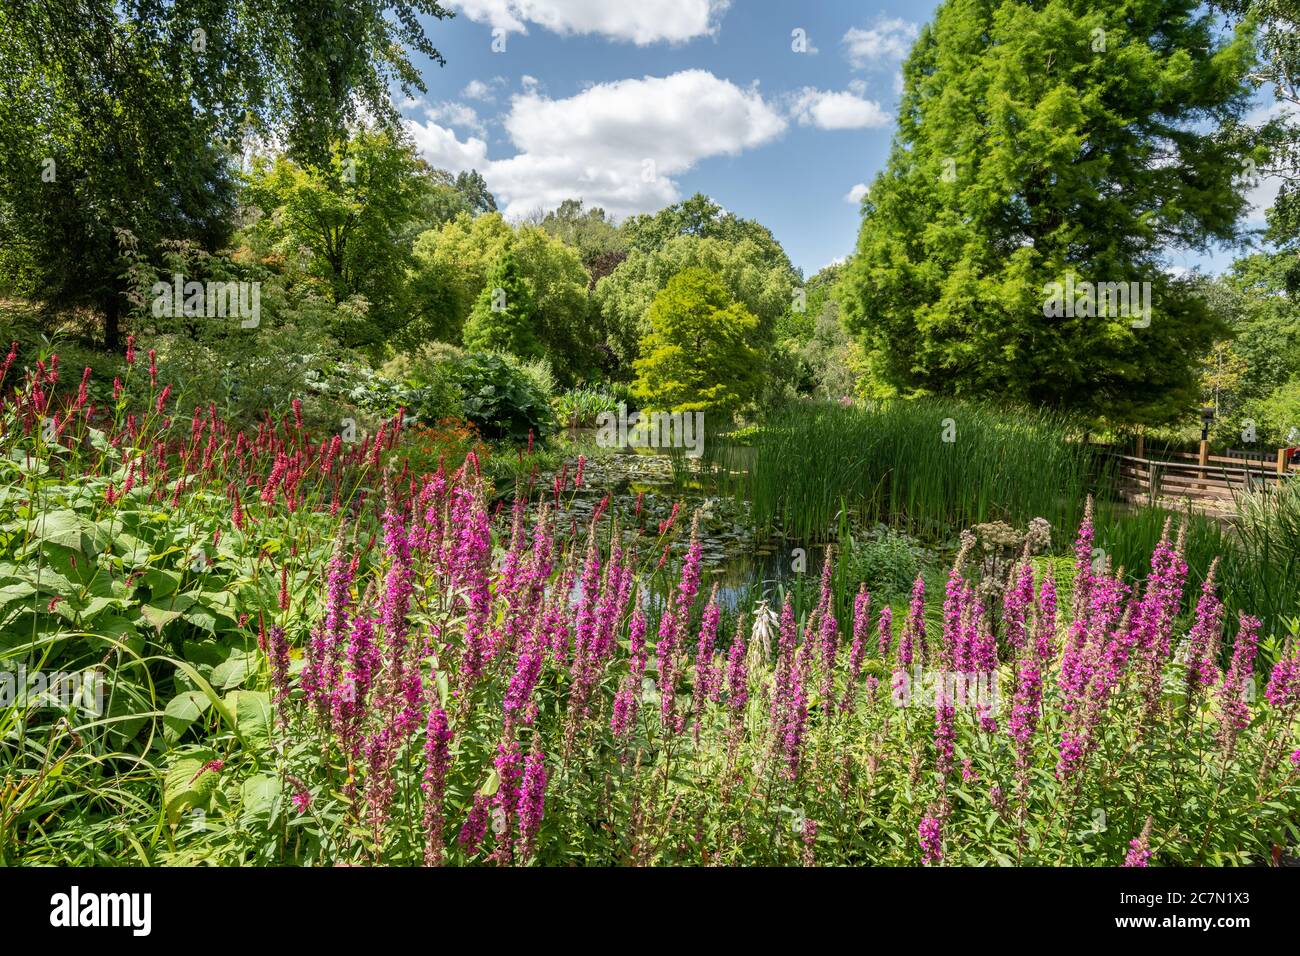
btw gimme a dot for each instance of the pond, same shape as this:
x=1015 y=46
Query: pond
x=643 y=485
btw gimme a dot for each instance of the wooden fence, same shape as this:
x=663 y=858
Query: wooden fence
x=1209 y=481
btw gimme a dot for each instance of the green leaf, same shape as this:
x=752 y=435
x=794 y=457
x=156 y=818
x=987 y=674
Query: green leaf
x=260 y=797
x=161 y=582
x=185 y=786
x=253 y=715
x=235 y=669
x=15 y=592
x=60 y=527
x=157 y=616
x=181 y=711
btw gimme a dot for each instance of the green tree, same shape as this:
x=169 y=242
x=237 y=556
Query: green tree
x=598 y=241
x=349 y=214
x=503 y=316
x=451 y=267
x=1253 y=376
x=451 y=271
x=1278 y=25
x=557 y=282
x=1039 y=141
x=445 y=197
x=699 y=353
x=472 y=188
x=137 y=107
x=624 y=297
x=700 y=216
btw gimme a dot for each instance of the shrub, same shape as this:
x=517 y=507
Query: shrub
x=501 y=399
x=698 y=354
x=888 y=561
x=579 y=407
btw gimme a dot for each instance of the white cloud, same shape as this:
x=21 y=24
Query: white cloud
x=640 y=21
x=881 y=45
x=832 y=110
x=455 y=114
x=616 y=145
x=530 y=84
x=441 y=147
x=856 y=194
x=482 y=90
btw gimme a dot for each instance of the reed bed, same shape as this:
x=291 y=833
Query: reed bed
x=927 y=466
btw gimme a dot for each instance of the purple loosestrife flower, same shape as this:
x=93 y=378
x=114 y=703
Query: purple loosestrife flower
x=532 y=802
x=1072 y=751
x=784 y=678
x=584 y=666
x=961 y=637
x=329 y=639
x=1024 y=711
x=509 y=768
x=623 y=714
x=945 y=737
x=793 y=731
x=1234 y=714
x=437 y=760
x=628 y=700
x=1045 y=622
x=1283 y=690
x=955 y=597
x=983 y=645
x=1139 y=848
x=704 y=667
x=690 y=582
x=809 y=842
x=585 y=627
x=911 y=644
x=613 y=598
x=528 y=668
x=885 y=631
x=737 y=676
x=348 y=705
x=665 y=655
x=277 y=647
x=1083 y=565
x=830 y=648
x=858 y=650
x=475 y=827
x=930 y=836
x=1203 y=642
x=1015 y=606
x=470 y=562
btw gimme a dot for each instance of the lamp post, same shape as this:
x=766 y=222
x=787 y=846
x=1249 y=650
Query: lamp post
x=1207 y=416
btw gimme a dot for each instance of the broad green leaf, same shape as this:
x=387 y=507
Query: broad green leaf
x=181 y=711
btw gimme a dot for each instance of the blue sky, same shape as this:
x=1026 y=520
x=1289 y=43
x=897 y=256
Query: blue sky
x=634 y=104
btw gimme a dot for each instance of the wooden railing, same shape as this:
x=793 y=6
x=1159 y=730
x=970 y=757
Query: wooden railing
x=1214 y=482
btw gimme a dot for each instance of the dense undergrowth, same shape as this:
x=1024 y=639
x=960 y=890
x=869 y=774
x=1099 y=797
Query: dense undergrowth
x=320 y=652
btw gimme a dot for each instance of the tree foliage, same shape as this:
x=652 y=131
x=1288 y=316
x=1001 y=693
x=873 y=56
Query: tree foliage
x=138 y=107
x=699 y=353
x=350 y=215
x=452 y=269
x=1253 y=377
x=1037 y=141
x=502 y=319
x=624 y=297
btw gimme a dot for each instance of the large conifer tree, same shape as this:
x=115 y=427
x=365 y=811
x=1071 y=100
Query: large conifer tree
x=1040 y=141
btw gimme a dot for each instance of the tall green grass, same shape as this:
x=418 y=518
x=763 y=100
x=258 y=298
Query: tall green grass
x=1264 y=565
x=891 y=462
